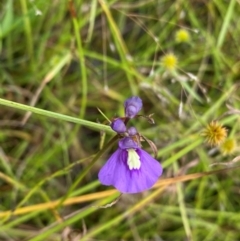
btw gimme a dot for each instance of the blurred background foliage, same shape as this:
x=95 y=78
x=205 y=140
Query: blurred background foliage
x=72 y=57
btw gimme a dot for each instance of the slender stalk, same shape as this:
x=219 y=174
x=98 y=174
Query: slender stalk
x=182 y=206
x=28 y=30
x=51 y=114
x=226 y=23
x=81 y=59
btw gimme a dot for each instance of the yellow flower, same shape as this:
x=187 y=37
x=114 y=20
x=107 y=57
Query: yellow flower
x=169 y=61
x=182 y=35
x=228 y=146
x=215 y=133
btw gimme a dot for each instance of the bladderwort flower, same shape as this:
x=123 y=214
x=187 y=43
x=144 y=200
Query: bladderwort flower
x=130 y=169
x=132 y=106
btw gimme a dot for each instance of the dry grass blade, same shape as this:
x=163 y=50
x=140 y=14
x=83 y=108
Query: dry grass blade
x=103 y=194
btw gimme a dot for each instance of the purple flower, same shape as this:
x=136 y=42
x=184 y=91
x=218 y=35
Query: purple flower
x=130 y=169
x=118 y=126
x=132 y=106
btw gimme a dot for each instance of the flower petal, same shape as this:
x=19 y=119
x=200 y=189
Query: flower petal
x=117 y=173
x=107 y=173
x=151 y=170
x=140 y=180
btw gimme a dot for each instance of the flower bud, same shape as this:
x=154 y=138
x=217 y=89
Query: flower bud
x=132 y=106
x=118 y=126
x=132 y=131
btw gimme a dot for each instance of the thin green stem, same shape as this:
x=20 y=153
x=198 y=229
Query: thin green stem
x=51 y=114
x=82 y=66
x=28 y=30
x=226 y=23
x=120 y=44
x=182 y=206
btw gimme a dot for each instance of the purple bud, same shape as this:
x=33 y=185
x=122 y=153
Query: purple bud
x=132 y=131
x=132 y=106
x=118 y=126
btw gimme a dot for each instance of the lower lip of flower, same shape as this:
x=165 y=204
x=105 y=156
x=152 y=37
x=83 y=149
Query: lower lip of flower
x=133 y=160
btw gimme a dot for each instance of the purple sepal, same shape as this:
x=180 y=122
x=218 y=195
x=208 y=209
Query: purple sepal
x=132 y=131
x=118 y=126
x=127 y=143
x=117 y=173
x=132 y=106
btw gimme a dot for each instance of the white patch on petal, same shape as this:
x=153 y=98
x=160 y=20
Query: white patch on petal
x=133 y=160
